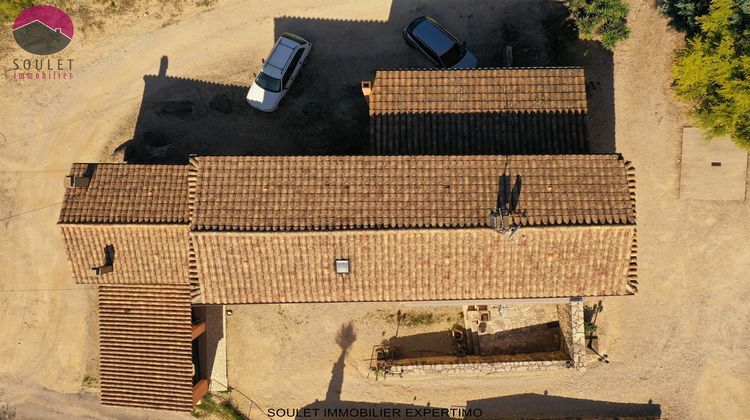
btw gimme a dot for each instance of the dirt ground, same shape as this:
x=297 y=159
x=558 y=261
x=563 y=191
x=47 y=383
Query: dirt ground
x=681 y=342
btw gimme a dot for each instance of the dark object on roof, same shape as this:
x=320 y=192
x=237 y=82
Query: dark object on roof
x=367 y=192
x=437 y=216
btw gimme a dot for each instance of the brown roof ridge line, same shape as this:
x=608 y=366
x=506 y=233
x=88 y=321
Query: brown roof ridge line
x=128 y=164
x=129 y=224
x=450 y=302
x=571 y=110
x=196 y=162
x=481 y=68
x=213 y=232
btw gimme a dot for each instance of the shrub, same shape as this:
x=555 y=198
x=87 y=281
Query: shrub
x=713 y=72
x=9 y=9
x=602 y=20
x=683 y=14
x=589 y=329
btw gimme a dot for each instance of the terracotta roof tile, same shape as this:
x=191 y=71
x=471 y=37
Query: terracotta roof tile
x=479 y=90
x=415 y=264
x=485 y=111
x=119 y=193
x=147 y=254
x=310 y=193
x=145 y=346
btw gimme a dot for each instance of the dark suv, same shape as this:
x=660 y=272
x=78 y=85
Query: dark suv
x=439 y=45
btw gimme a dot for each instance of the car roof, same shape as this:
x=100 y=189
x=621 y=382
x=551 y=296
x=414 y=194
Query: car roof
x=279 y=57
x=433 y=36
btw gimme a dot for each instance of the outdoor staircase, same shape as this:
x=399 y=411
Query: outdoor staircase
x=472 y=342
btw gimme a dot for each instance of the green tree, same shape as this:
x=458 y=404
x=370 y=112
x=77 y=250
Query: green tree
x=9 y=9
x=602 y=20
x=713 y=72
x=683 y=14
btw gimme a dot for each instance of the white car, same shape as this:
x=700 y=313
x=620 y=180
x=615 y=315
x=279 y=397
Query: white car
x=278 y=72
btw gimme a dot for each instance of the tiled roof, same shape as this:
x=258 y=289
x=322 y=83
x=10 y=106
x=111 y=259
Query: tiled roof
x=478 y=134
x=146 y=254
x=484 y=111
x=415 y=264
x=479 y=90
x=311 y=193
x=145 y=346
x=119 y=193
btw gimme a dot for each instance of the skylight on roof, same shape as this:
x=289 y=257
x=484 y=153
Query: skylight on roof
x=342 y=266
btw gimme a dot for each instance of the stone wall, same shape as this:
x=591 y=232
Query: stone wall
x=574 y=339
x=459 y=368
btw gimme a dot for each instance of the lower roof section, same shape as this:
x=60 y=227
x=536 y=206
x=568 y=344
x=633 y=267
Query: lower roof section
x=145 y=346
x=415 y=264
x=137 y=254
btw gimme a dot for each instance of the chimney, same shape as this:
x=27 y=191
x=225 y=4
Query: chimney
x=366 y=89
x=109 y=261
x=72 y=181
x=98 y=271
x=80 y=181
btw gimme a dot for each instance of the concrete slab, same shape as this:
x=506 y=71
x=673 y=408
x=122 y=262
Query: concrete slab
x=715 y=170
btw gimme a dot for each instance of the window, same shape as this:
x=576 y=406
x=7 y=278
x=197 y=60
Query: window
x=292 y=66
x=294 y=38
x=342 y=266
x=268 y=83
x=453 y=55
x=427 y=50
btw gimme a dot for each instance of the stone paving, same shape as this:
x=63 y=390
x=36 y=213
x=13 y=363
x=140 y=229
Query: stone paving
x=513 y=329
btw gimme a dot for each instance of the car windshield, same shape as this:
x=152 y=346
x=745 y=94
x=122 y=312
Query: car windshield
x=453 y=55
x=268 y=83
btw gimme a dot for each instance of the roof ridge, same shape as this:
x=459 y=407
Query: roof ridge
x=479 y=68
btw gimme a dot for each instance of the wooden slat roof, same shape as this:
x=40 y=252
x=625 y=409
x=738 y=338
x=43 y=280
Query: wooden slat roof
x=145 y=346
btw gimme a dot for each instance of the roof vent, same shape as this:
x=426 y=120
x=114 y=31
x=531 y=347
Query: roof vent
x=342 y=266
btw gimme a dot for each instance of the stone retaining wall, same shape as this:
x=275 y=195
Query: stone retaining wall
x=572 y=326
x=458 y=368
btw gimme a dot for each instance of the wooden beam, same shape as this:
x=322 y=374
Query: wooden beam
x=199 y=329
x=200 y=390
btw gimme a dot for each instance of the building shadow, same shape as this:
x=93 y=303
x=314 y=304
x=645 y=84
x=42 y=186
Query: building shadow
x=539 y=406
x=324 y=112
x=533 y=339
x=179 y=117
x=520 y=406
x=479 y=133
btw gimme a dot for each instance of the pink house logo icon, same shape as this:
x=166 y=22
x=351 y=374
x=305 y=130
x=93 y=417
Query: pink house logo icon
x=43 y=30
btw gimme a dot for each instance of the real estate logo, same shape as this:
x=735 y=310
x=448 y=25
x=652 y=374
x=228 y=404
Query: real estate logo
x=43 y=30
